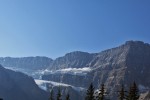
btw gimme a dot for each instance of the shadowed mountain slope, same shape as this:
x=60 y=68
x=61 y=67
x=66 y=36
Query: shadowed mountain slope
x=18 y=86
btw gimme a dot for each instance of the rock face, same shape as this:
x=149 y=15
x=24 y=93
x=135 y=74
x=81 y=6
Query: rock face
x=145 y=96
x=75 y=59
x=113 y=67
x=121 y=65
x=35 y=63
x=18 y=86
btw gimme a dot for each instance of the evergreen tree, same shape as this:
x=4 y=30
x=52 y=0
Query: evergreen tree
x=59 y=94
x=67 y=96
x=51 y=95
x=90 y=93
x=129 y=96
x=121 y=93
x=101 y=93
x=133 y=92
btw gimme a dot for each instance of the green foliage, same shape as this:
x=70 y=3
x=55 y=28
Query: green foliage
x=101 y=93
x=133 y=92
x=121 y=95
x=90 y=93
x=68 y=97
x=51 y=95
x=59 y=94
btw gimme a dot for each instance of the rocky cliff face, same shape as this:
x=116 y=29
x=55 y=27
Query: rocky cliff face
x=121 y=65
x=75 y=59
x=35 y=63
x=18 y=86
x=138 y=63
x=113 y=67
x=103 y=66
x=145 y=96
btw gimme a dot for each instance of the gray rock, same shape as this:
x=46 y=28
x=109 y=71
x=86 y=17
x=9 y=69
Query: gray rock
x=34 y=63
x=113 y=67
x=18 y=86
x=121 y=65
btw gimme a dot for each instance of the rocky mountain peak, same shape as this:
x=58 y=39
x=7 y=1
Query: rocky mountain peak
x=111 y=57
x=75 y=59
x=120 y=65
x=133 y=42
x=76 y=53
x=136 y=43
x=35 y=63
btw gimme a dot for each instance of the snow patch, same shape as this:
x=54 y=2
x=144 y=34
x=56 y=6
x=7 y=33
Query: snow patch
x=40 y=82
x=73 y=71
x=111 y=77
x=42 y=85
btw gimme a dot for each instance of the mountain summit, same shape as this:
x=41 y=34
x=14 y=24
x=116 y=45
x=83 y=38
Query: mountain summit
x=113 y=67
x=120 y=65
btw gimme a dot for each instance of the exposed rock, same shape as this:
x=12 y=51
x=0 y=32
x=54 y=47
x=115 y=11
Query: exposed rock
x=35 y=63
x=75 y=59
x=113 y=67
x=18 y=86
x=121 y=65
x=145 y=96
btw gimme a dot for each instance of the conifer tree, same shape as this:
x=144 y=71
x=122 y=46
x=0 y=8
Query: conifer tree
x=51 y=95
x=121 y=95
x=101 y=93
x=129 y=96
x=133 y=92
x=59 y=94
x=67 y=96
x=90 y=93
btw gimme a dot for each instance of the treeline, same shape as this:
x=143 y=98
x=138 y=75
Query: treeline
x=58 y=95
x=101 y=94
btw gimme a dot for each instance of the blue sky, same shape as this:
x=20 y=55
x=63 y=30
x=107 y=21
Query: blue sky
x=54 y=27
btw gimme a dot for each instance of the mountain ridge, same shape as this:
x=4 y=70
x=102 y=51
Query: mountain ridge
x=113 y=67
x=18 y=86
x=42 y=62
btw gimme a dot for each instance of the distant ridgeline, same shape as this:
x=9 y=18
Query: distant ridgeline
x=35 y=63
x=113 y=67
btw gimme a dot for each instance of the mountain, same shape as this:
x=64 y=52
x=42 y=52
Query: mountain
x=120 y=65
x=31 y=66
x=75 y=59
x=32 y=63
x=18 y=86
x=113 y=67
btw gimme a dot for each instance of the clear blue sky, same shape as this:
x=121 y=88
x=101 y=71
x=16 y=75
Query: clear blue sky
x=54 y=27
